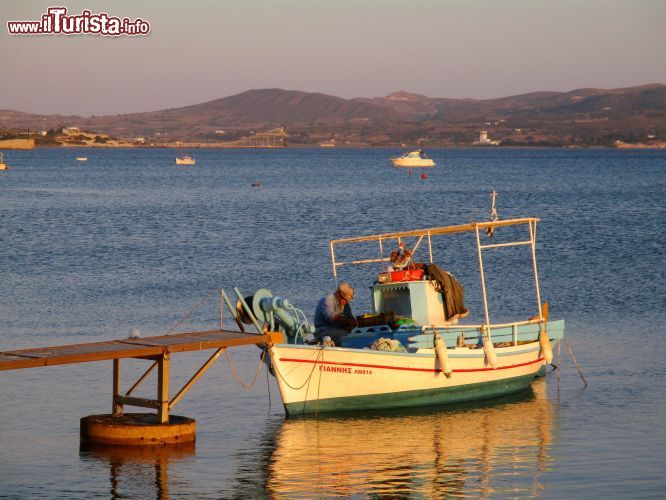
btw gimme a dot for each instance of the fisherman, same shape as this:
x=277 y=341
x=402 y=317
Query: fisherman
x=333 y=317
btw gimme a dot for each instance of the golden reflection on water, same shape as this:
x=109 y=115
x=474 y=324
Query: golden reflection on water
x=138 y=471
x=483 y=450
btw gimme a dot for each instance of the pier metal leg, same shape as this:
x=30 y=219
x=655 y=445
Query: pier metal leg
x=117 y=409
x=141 y=379
x=163 y=388
x=195 y=377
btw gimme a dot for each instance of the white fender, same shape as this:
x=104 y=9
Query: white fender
x=488 y=349
x=442 y=355
x=546 y=348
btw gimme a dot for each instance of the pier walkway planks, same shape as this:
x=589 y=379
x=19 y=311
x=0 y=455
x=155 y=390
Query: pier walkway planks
x=145 y=347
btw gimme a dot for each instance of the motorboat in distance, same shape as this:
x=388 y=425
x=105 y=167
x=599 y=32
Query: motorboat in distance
x=413 y=159
x=185 y=160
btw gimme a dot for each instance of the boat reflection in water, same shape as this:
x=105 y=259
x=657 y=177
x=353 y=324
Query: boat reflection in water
x=138 y=471
x=478 y=450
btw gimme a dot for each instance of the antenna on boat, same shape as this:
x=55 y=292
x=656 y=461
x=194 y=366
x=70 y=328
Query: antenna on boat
x=493 y=216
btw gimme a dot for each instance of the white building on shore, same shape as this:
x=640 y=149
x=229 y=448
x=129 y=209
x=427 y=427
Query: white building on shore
x=484 y=140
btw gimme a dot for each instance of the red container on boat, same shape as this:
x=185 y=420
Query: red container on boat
x=407 y=275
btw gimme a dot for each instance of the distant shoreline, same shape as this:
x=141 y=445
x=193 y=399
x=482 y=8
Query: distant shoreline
x=315 y=146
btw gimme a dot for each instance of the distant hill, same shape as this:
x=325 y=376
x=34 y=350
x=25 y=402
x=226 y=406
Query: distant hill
x=399 y=117
x=626 y=100
x=265 y=108
x=407 y=105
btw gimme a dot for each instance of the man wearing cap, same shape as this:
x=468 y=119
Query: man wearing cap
x=333 y=316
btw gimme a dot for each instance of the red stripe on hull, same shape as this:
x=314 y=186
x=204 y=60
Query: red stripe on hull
x=404 y=368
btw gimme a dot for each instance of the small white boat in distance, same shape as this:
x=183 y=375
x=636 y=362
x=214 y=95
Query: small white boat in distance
x=3 y=165
x=413 y=159
x=185 y=160
x=81 y=158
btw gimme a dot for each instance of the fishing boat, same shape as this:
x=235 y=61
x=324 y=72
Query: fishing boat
x=414 y=348
x=3 y=165
x=185 y=160
x=413 y=159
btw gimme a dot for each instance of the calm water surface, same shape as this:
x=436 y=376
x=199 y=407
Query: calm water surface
x=128 y=240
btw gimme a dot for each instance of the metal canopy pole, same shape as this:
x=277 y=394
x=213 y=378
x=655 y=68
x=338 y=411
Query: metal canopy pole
x=483 y=279
x=381 y=248
x=534 y=265
x=335 y=268
x=429 y=246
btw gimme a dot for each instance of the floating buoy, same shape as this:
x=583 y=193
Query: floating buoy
x=442 y=356
x=424 y=176
x=546 y=348
x=488 y=349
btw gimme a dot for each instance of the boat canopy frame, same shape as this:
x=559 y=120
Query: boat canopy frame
x=428 y=233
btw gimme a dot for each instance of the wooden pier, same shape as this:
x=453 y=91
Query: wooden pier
x=158 y=349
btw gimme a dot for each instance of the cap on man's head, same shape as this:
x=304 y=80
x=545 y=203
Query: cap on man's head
x=345 y=290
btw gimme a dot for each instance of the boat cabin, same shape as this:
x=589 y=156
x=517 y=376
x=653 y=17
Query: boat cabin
x=417 y=299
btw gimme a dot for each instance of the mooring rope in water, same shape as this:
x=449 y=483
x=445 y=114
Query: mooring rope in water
x=268 y=388
x=237 y=376
x=559 y=345
x=194 y=308
x=573 y=357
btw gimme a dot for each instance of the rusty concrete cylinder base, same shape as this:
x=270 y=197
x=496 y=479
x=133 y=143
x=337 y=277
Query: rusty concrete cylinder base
x=137 y=429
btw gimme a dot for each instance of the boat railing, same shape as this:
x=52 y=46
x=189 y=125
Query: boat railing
x=428 y=233
x=478 y=326
x=514 y=332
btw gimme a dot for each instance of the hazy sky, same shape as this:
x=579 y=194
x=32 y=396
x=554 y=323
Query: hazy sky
x=202 y=50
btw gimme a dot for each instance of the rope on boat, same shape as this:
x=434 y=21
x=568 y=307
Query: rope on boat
x=235 y=373
x=320 y=355
x=192 y=310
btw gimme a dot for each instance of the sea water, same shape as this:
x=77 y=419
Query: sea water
x=129 y=243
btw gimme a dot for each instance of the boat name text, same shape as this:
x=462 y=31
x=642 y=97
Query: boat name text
x=345 y=369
